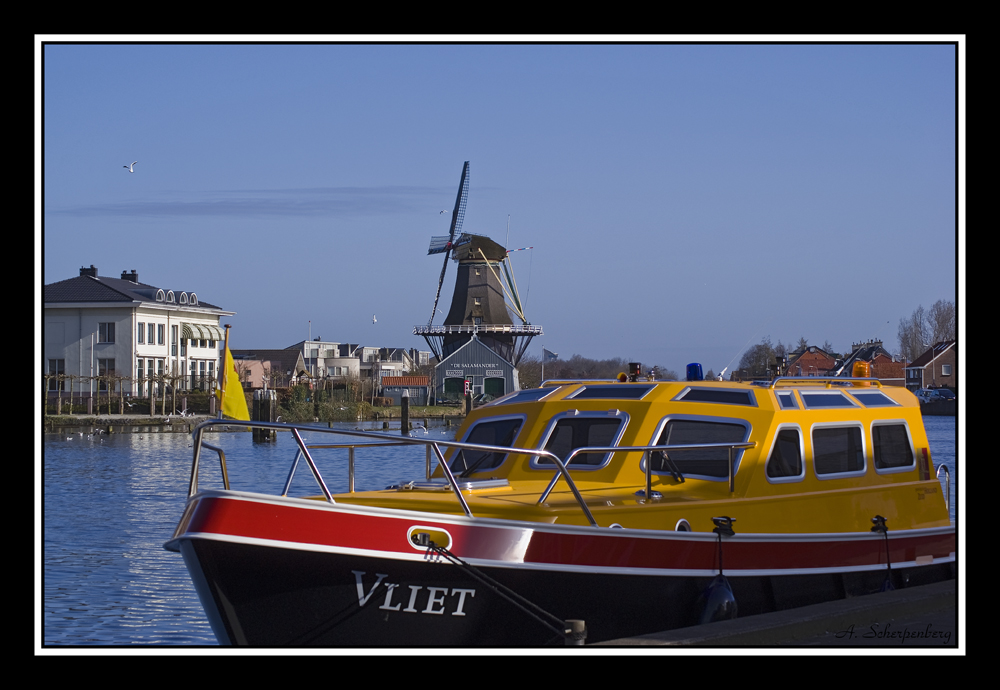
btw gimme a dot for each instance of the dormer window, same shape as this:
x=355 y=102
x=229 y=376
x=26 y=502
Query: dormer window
x=193 y=299
x=170 y=296
x=160 y=296
x=184 y=298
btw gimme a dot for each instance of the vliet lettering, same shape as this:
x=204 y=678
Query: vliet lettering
x=436 y=601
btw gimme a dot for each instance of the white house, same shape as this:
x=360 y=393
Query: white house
x=99 y=326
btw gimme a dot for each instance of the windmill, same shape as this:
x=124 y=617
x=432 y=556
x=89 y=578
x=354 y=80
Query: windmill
x=482 y=306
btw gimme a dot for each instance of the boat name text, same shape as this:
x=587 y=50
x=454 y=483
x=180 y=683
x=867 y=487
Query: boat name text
x=437 y=599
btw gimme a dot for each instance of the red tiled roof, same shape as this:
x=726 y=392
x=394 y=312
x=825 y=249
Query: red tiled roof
x=405 y=380
x=926 y=358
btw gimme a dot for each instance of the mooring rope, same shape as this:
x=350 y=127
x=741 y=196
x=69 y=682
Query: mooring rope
x=879 y=526
x=554 y=623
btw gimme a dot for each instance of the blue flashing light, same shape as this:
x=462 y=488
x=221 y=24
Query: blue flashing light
x=694 y=372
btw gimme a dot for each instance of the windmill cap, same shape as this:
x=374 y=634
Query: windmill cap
x=470 y=250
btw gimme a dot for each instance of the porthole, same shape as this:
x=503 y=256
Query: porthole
x=682 y=526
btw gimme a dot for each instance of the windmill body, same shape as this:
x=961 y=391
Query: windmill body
x=479 y=314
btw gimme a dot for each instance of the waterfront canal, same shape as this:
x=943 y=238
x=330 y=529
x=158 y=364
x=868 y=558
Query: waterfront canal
x=111 y=501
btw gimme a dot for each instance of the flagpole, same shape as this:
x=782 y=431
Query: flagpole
x=225 y=371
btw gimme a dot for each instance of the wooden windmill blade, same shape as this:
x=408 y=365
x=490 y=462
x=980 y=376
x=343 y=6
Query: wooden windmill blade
x=437 y=246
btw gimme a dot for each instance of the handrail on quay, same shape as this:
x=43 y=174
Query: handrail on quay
x=434 y=447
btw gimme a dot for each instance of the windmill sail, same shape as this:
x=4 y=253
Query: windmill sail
x=457 y=216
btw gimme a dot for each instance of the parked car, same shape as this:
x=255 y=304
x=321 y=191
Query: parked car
x=926 y=395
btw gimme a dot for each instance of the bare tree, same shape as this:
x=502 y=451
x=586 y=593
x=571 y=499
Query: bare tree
x=759 y=359
x=941 y=321
x=923 y=329
x=529 y=371
x=913 y=335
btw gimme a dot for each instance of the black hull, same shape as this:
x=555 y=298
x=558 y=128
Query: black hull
x=265 y=596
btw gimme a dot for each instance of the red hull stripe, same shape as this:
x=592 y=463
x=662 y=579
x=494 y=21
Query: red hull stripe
x=257 y=521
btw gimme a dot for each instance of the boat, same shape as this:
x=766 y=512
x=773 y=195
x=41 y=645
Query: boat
x=579 y=512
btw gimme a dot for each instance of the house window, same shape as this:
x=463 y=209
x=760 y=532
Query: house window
x=140 y=333
x=152 y=333
x=945 y=370
x=57 y=369
x=159 y=333
x=106 y=332
x=173 y=340
x=105 y=370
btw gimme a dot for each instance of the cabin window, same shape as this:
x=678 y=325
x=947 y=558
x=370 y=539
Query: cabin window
x=494 y=432
x=711 y=463
x=838 y=450
x=580 y=431
x=874 y=399
x=891 y=447
x=785 y=461
x=527 y=395
x=717 y=395
x=612 y=392
x=826 y=400
x=787 y=400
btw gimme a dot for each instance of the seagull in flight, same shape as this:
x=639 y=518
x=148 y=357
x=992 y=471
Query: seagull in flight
x=129 y=167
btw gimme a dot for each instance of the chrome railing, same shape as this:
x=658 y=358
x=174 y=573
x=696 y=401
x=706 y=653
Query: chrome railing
x=829 y=381
x=947 y=485
x=433 y=448
x=646 y=450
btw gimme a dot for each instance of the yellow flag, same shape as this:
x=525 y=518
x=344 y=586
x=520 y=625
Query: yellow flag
x=232 y=402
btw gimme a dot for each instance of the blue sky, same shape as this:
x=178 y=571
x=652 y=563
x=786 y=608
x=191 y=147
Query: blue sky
x=683 y=200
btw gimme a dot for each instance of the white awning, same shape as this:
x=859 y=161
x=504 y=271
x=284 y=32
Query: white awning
x=200 y=331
